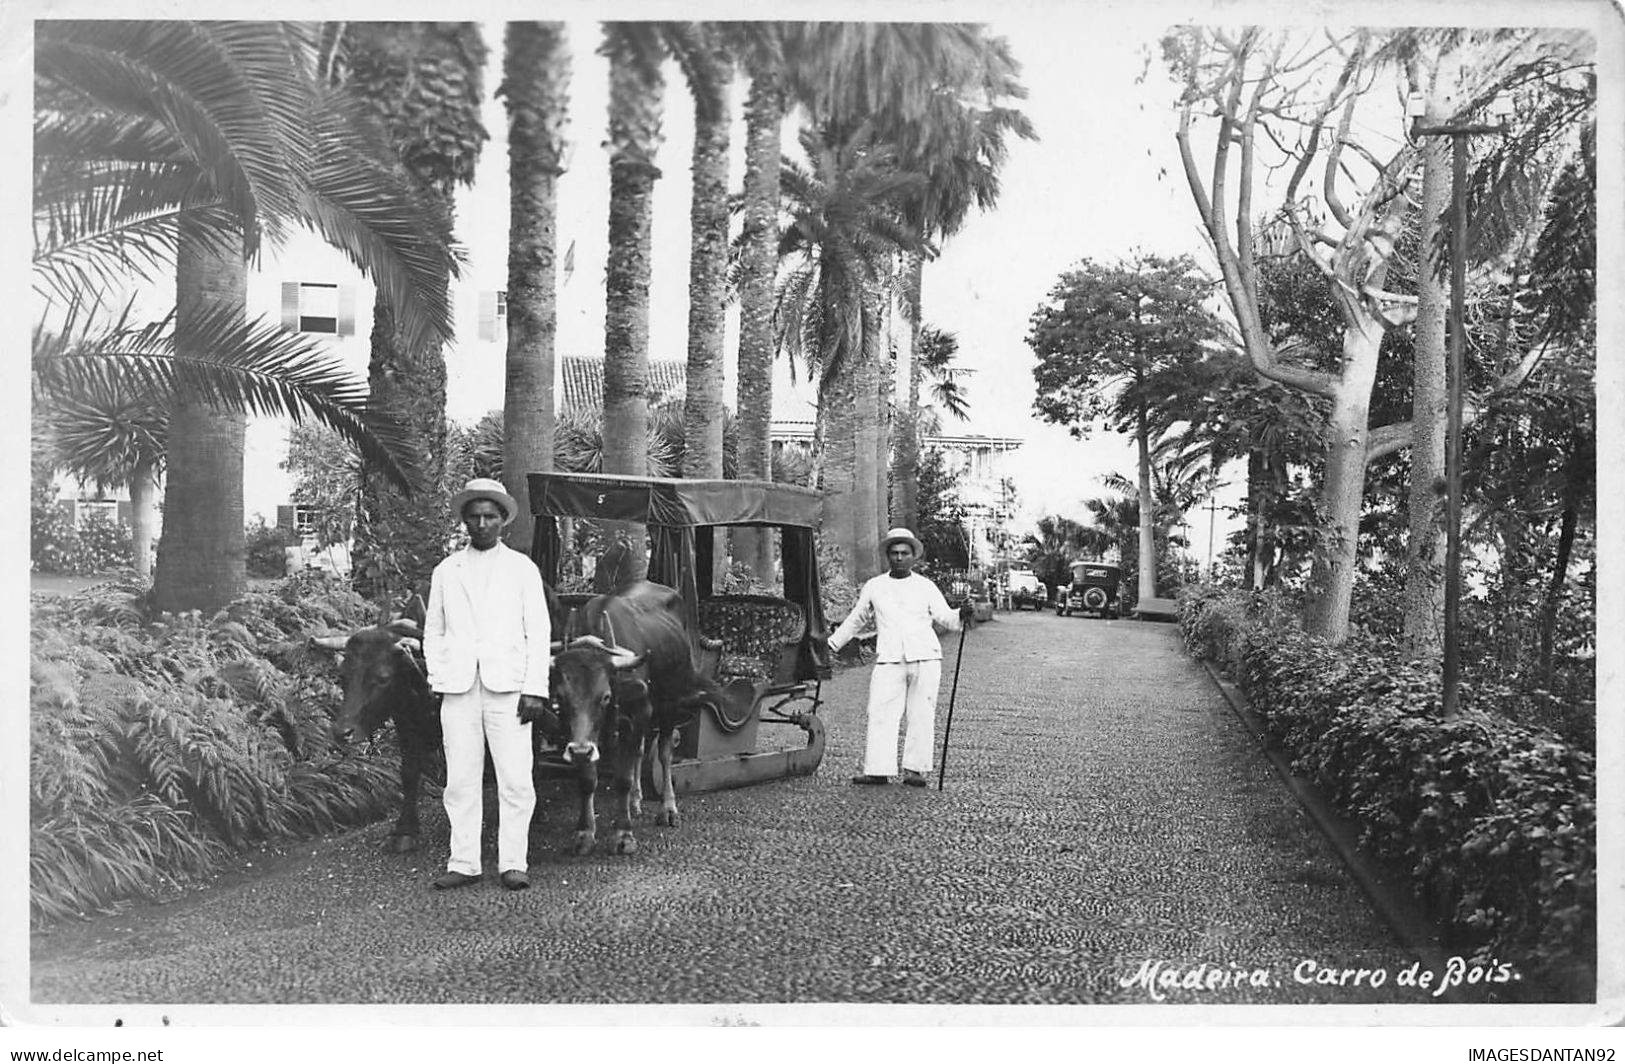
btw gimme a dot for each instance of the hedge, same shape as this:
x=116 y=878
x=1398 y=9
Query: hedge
x=1494 y=821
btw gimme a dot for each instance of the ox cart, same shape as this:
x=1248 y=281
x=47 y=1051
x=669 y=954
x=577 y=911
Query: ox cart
x=768 y=653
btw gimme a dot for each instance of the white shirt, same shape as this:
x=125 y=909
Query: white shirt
x=906 y=614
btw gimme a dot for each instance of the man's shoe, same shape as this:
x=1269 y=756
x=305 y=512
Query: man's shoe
x=453 y=880
x=871 y=780
x=913 y=779
x=513 y=879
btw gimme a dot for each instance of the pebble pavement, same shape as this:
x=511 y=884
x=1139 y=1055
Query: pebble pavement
x=1104 y=813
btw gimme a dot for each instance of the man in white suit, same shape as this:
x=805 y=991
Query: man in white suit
x=906 y=611
x=486 y=642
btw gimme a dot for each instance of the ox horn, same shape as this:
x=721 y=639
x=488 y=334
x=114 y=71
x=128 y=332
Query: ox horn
x=329 y=642
x=623 y=659
x=410 y=643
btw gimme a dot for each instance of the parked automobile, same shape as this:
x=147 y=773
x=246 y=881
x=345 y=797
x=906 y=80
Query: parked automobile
x=1095 y=589
x=1025 y=590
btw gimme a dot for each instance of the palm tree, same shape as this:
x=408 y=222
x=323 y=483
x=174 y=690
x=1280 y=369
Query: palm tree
x=842 y=235
x=113 y=440
x=636 y=85
x=960 y=150
x=163 y=141
x=109 y=395
x=934 y=92
x=762 y=47
x=420 y=83
x=535 y=86
x=703 y=51
x=1051 y=550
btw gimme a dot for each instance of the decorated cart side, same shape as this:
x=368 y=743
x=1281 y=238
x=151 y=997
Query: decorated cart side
x=769 y=653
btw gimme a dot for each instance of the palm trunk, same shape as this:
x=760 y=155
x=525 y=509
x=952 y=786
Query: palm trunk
x=1424 y=550
x=864 y=424
x=883 y=424
x=422 y=82
x=1331 y=578
x=536 y=79
x=906 y=465
x=1148 y=527
x=708 y=263
x=764 y=114
x=836 y=458
x=201 y=553
x=634 y=123
x=143 y=494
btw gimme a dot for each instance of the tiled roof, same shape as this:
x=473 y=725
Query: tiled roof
x=583 y=381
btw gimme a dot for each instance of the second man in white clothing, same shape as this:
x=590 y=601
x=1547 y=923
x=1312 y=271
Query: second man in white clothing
x=906 y=611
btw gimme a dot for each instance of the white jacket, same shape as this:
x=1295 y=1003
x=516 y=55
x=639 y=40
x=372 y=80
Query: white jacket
x=514 y=636
x=906 y=615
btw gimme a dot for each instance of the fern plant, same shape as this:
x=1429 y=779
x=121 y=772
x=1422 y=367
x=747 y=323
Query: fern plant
x=161 y=748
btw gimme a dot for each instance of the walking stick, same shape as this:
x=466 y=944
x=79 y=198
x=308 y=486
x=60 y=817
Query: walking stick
x=948 y=728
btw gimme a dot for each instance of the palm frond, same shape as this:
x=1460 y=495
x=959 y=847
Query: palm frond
x=232 y=92
x=373 y=212
x=91 y=233
x=253 y=368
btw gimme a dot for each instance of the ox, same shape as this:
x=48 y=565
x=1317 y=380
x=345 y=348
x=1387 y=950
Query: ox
x=620 y=696
x=381 y=671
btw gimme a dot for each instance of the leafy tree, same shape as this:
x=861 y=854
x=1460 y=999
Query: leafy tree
x=941 y=525
x=1106 y=328
x=1278 y=89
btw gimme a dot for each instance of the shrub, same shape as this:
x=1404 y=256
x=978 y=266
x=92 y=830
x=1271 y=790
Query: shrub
x=265 y=544
x=158 y=749
x=1493 y=820
x=98 y=545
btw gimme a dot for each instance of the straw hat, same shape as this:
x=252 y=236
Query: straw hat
x=902 y=535
x=486 y=488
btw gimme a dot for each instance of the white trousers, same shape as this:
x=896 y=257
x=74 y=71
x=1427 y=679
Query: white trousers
x=905 y=691
x=471 y=721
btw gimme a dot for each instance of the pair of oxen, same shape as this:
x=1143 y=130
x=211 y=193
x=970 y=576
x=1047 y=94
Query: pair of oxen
x=617 y=695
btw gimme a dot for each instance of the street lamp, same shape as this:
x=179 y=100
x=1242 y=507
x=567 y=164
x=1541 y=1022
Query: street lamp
x=1416 y=109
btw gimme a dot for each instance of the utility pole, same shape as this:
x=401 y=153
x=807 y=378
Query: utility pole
x=1458 y=134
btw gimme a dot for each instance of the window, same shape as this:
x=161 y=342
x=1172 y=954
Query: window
x=314 y=307
x=304 y=520
x=493 y=323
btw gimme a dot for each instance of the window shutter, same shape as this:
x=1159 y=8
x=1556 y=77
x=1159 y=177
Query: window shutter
x=346 y=310
x=488 y=316
x=284 y=518
x=290 y=306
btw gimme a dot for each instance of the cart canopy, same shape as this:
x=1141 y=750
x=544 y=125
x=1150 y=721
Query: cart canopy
x=674 y=503
x=680 y=516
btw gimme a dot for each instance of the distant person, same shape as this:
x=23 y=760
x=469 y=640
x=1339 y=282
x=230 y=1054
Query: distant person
x=907 y=611
x=486 y=641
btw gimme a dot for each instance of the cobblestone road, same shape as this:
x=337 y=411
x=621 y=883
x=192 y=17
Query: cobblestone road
x=1104 y=811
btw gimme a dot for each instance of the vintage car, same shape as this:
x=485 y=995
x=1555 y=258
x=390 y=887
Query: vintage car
x=1025 y=590
x=1095 y=588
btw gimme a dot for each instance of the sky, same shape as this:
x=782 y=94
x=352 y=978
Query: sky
x=1102 y=181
